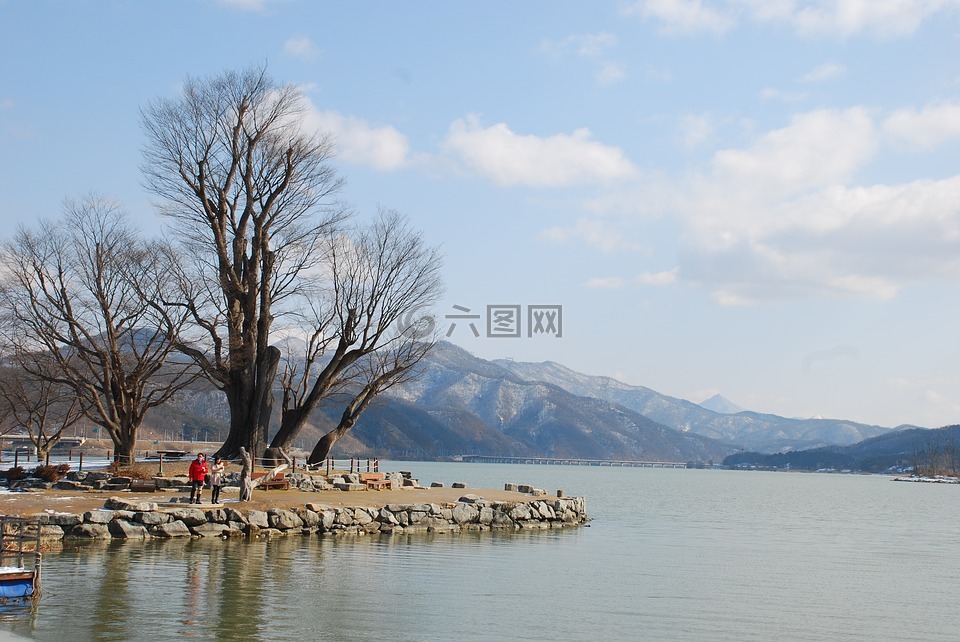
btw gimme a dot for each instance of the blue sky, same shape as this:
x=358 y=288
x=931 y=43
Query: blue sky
x=754 y=197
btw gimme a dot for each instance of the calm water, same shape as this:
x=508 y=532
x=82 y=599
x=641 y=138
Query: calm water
x=671 y=554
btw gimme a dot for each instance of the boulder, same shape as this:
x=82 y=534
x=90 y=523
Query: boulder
x=150 y=518
x=89 y=531
x=189 y=516
x=171 y=529
x=122 y=529
x=209 y=529
x=50 y=532
x=98 y=516
x=283 y=519
x=510 y=487
x=465 y=513
x=257 y=518
x=458 y=485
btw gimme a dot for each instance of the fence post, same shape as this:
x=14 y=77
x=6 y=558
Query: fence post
x=16 y=457
x=294 y=464
x=47 y=459
x=376 y=464
x=160 y=472
x=328 y=466
x=81 y=462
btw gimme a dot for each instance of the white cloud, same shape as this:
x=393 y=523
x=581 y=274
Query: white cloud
x=826 y=71
x=657 y=278
x=590 y=45
x=300 y=47
x=559 y=160
x=885 y=18
x=607 y=283
x=684 y=16
x=924 y=129
x=816 y=149
x=771 y=93
x=358 y=142
x=604 y=235
x=785 y=218
x=610 y=73
x=695 y=130
x=245 y=5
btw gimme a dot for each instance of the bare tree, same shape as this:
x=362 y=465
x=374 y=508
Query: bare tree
x=393 y=364
x=250 y=194
x=373 y=283
x=40 y=405
x=84 y=292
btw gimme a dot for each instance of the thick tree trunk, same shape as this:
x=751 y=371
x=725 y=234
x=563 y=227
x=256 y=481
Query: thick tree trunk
x=250 y=398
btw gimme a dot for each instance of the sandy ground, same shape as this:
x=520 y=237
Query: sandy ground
x=61 y=501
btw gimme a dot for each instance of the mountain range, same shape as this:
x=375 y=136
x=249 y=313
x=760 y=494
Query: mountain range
x=461 y=404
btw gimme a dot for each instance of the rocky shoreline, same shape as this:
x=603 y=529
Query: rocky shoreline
x=124 y=519
x=360 y=512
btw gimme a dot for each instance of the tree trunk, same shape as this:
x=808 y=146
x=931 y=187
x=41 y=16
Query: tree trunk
x=246 y=476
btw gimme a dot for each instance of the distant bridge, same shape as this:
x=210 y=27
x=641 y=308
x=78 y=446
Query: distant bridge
x=556 y=461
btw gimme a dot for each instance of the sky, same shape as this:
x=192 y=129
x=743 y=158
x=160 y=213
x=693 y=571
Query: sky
x=757 y=198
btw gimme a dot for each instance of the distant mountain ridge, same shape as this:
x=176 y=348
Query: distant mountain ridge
x=719 y=403
x=461 y=404
x=751 y=430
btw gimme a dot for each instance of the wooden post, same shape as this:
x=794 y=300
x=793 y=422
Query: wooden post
x=47 y=459
x=376 y=464
x=70 y=455
x=16 y=457
x=81 y=462
x=294 y=464
x=160 y=472
x=328 y=466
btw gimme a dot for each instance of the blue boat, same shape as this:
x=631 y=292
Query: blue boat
x=19 y=559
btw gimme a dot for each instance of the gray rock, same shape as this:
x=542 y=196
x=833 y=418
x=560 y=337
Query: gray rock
x=209 y=529
x=283 y=519
x=122 y=529
x=520 y=511
x=67 y=484
x=362 y=517
x=189 y=516
x=235 y=516
x=465 y=513
x=350 y=487
x=217 y=516
x=89 y=531
x=510 y=487
x=436 y=484
x=386 y=517
x=118 y=503
x=310 y=518
x=486 y=516
x=524 y=488
x=257 y=518
x=151 y=518
x=50 y=532
x=470 y=498
x=171 y=529
x=119 y=481
x=63 y=520
x=458 y=485
x=98 y=516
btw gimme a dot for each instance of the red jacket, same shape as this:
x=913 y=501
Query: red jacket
x=198 y=469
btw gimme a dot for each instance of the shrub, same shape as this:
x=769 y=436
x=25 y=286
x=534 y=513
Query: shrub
x=14 y=473
x=51 y=473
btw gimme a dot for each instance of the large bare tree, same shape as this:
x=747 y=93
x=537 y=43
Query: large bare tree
x=251 y=197
x=363 y=329
x=84 y=292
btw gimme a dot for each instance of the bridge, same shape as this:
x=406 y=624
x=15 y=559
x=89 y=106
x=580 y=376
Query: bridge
x=556 y=461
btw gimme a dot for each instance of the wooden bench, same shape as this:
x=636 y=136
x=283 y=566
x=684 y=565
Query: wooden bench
x=376 y=481
x=280 y=482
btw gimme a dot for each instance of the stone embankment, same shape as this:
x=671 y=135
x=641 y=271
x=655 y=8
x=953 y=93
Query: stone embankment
x=124 y=519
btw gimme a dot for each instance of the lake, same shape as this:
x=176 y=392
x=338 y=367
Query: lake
x=670 y=554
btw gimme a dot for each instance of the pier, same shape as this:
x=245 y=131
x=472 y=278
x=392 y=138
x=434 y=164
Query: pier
x=556 y=461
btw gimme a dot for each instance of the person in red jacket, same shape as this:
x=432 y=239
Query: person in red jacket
x=198 y=471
